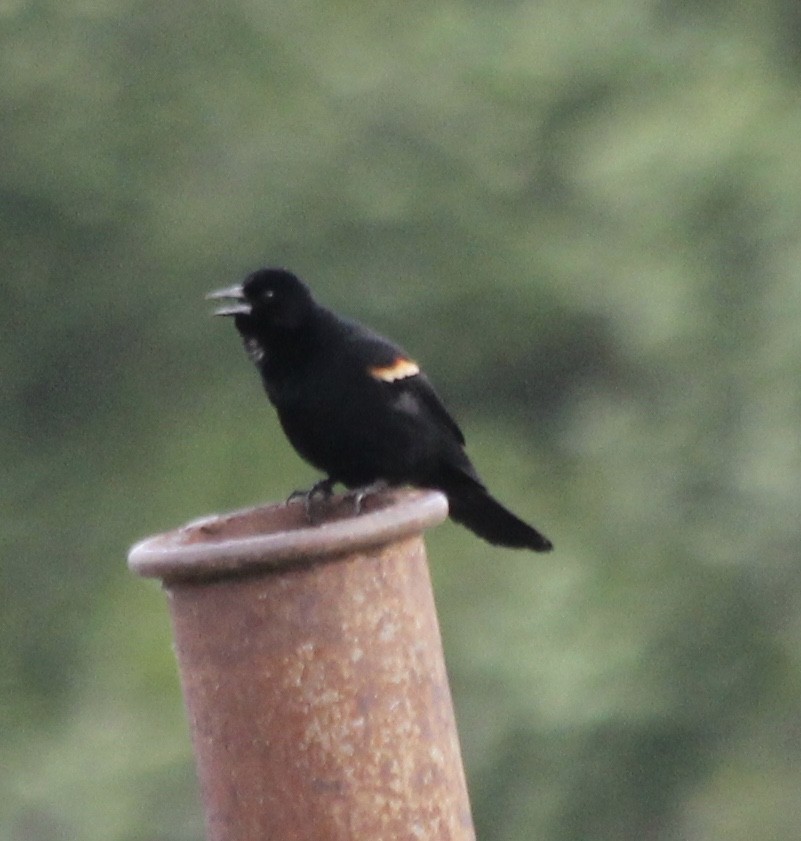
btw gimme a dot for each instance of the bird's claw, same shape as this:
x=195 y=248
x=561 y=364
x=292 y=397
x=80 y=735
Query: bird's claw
x=358 y=495
x=324 y=488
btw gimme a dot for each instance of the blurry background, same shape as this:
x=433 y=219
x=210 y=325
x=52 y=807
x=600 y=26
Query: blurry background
x=583 y=218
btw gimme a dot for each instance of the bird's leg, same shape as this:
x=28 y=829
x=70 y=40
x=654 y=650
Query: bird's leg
x=358 y=495
x=323 y=488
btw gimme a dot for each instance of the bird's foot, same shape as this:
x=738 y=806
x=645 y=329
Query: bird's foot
x=322 y=489
x=358 y=495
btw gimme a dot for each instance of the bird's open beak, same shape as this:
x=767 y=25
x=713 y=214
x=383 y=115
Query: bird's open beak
x=238 y=305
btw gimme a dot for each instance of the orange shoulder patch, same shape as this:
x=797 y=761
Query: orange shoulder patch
x=398 y=370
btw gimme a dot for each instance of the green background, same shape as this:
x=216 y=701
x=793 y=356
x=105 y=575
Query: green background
x=583 y=218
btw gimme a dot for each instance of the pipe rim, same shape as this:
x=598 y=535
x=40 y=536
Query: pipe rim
x=215 y=545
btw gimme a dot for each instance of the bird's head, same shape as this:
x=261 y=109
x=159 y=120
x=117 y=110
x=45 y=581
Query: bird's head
x=267 y=299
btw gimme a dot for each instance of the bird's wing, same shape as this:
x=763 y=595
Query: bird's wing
x=421 y=389
x=390 y=364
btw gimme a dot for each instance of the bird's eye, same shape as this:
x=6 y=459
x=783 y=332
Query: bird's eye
x=268 y=293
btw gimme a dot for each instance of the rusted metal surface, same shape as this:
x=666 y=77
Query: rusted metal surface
x=315 y=684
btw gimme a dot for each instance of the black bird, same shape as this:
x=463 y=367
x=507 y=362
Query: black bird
x=356 y=406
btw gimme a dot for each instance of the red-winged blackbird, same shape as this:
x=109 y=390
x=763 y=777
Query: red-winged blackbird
x=356 y=406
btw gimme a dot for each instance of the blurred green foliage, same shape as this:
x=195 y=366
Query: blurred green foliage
x=584 y=218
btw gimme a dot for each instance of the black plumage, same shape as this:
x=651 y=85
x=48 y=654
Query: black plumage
x=354 y=405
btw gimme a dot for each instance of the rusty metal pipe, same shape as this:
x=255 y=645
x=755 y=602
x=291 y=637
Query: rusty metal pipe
x=312 y=671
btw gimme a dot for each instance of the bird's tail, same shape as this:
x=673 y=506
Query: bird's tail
x=471 y=504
